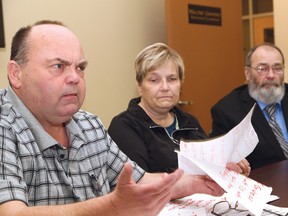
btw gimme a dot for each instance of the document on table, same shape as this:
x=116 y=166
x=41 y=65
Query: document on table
x=196 y=205
x=210 y=157
x=202 y=205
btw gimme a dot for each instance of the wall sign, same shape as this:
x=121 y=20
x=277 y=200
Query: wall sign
x=204 y=15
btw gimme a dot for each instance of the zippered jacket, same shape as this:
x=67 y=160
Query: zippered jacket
x=149 y=144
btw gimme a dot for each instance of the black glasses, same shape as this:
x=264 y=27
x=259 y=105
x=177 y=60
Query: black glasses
x=263 y=69
x=223 y=207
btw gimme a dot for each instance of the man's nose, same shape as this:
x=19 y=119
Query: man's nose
x=72 y=76
x=270 y=72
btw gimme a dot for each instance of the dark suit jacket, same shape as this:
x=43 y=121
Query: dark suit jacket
x=231 y=109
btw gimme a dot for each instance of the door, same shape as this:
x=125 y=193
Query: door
x=212 y=53
x=263 y=30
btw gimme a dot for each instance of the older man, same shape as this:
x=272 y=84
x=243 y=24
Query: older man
x=264 y=73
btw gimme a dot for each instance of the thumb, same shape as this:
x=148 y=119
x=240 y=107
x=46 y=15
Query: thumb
x=234 y=167
x=125 y=175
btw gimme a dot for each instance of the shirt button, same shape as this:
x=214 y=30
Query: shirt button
x=62 y=156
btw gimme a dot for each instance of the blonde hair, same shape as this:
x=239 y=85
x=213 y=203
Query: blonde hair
x=154 y=56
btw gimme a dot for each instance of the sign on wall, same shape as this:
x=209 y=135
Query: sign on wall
x=204 y=15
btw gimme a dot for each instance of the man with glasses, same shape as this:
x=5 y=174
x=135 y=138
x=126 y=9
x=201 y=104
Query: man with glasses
x=264 y=72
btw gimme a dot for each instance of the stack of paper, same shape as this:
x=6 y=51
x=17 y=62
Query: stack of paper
x=211 y=156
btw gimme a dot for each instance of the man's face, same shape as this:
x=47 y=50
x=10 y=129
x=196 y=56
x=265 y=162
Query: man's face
x=52 y=83
x=267 y=87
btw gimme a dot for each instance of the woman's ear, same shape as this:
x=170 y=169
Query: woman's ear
x=139 y=88
x=14 y=74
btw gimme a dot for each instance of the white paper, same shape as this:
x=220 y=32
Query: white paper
x=202 y=205
x=237 y=144
x=211 y=156
x=279 y=210
x=196 y=205
x=175 y=210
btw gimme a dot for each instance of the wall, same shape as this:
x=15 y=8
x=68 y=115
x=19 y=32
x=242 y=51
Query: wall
x=112 y=33
x=280 y=28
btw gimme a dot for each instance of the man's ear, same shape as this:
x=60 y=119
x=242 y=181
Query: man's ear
x=247 y=74
x=14 y=74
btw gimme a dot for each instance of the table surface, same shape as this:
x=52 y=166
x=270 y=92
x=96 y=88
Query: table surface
x=275 y=176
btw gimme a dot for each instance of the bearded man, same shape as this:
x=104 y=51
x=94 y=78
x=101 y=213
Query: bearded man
x=264 y=72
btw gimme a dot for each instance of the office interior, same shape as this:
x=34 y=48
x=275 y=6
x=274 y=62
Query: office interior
x=112 y=33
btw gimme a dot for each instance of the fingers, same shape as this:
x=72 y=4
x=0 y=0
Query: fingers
x=150 y=194
x=216 y=190
x=161 y=203
x=163 y=184
x=173 y=177
x=153 y=184
x=125 y=175
x=245 y=167
x=234 y=167
x=204 y=184
x=168 y=181
x=242 y=167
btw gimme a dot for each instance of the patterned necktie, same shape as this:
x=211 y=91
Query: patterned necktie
x=270 y=109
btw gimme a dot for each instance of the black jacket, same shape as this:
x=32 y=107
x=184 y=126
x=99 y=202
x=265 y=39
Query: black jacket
x=148 y=144
x=231 y=109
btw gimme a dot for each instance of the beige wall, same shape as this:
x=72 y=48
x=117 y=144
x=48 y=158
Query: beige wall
x=112 y=33
x=281 y=29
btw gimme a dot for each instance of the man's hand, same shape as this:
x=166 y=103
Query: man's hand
x=190 y=184
x=147 y=197
x=242 y=167
x=154 y=191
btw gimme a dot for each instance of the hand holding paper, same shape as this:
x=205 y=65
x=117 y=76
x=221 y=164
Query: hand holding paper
x=210 y=157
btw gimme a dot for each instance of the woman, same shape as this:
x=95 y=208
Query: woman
x=151 y=128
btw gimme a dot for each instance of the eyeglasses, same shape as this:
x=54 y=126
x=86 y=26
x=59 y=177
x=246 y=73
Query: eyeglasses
x=263 y=69
x=224 y=207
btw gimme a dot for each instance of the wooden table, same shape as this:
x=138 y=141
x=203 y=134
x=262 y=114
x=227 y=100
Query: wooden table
x=275 y=176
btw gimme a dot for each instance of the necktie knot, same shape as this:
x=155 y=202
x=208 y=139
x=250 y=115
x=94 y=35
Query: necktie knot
x=270 y=109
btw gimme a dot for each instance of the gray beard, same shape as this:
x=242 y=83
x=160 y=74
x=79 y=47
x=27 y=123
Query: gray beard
x=269 y=95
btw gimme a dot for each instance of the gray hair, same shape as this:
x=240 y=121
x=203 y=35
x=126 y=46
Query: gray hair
x=253 y=49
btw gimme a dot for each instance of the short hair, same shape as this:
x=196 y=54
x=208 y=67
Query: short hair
x=253 y=49
x=154 y=56
x=19 y=46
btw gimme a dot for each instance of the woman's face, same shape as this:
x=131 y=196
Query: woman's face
x=160 y=89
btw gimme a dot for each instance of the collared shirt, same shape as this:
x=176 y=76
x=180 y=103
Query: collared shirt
x=35 y=169
x=278 y=116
